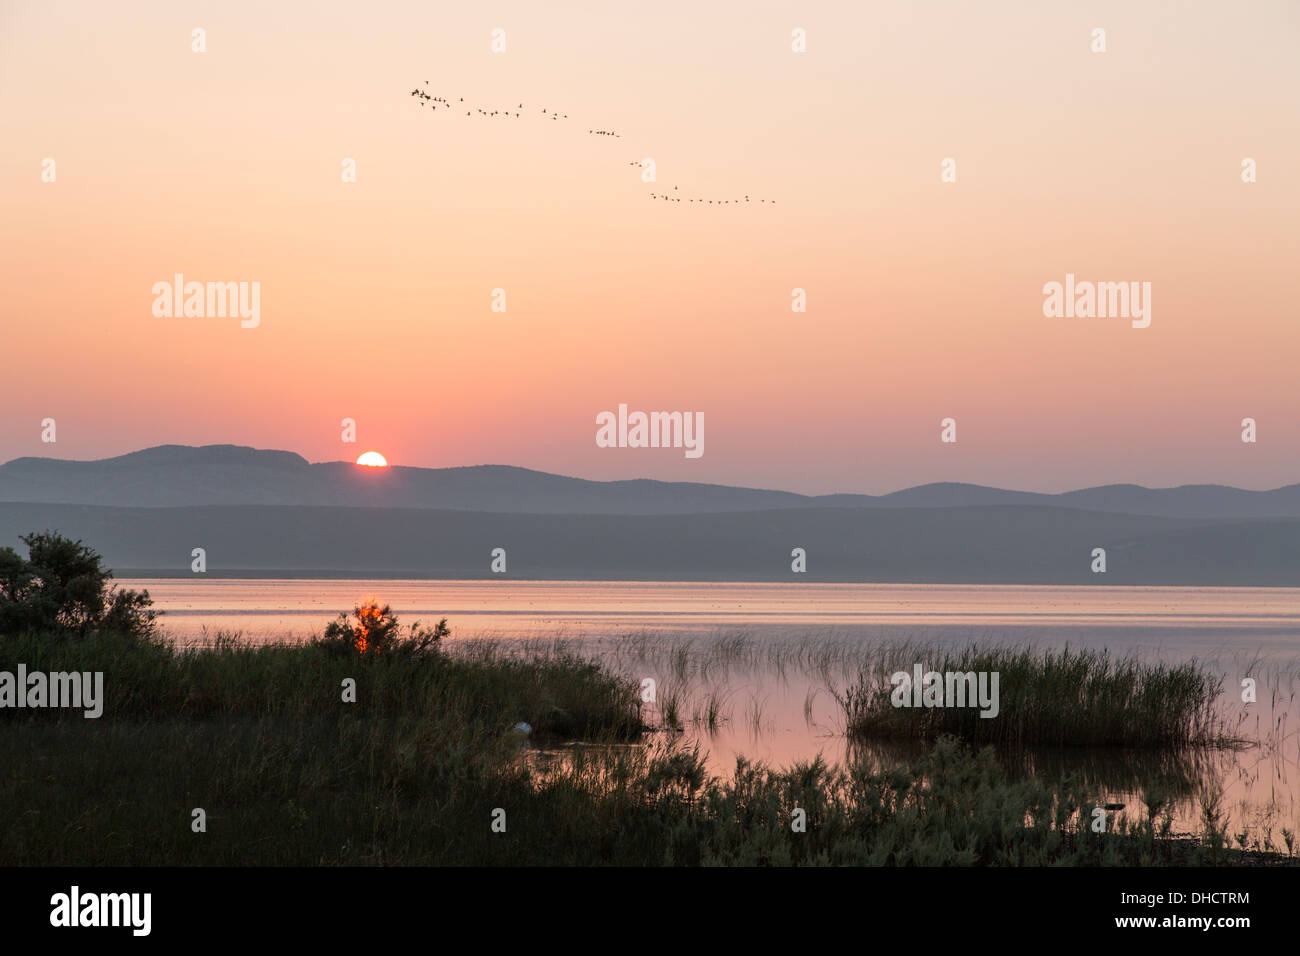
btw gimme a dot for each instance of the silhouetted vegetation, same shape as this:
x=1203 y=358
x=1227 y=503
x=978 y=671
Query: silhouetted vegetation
x=62 y=590
x=1080 y=698
x=372 y=629
x=288 y=772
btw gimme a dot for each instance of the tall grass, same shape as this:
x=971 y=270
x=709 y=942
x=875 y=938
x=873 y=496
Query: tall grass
x=555 y=693
x=1065 y=698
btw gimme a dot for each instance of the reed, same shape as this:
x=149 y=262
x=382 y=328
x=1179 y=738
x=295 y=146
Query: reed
x=1059 y=698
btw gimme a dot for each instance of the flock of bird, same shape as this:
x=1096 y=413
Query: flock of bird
x=666 y=197
x=427 y=99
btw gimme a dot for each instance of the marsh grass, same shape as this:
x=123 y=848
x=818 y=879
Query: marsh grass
x=557 y=694
x=289 y=775
x=260 y=738
x=705 y=667
x=1057 y=698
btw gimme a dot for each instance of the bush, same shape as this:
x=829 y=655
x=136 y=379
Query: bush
x=61 y=588
x=373 y=629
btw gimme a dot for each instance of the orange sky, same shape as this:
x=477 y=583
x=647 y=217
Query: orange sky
x=924 y=298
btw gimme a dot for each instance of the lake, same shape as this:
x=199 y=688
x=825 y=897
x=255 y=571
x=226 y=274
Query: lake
x=1167 y=620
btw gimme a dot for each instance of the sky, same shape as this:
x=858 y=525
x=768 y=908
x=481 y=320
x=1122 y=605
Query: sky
x=924 y=297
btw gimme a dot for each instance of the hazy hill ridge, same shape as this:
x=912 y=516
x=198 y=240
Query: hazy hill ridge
x=185 y=476
x=274 y=512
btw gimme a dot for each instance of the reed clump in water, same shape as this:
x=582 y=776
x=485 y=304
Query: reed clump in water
x=1060 y=698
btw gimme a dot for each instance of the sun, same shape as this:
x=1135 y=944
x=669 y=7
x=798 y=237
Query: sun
x=373 y=459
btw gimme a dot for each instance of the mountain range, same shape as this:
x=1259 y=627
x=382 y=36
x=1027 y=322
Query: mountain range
x=183 y=476
x=258 y=512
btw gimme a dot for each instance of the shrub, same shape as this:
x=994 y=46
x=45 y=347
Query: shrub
x=373 y=629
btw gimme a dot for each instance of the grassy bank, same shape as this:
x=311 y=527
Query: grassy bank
x=413 y=771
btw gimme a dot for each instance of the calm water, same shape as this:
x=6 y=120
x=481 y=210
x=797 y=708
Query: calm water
x=1176 y=621
x=772 y=655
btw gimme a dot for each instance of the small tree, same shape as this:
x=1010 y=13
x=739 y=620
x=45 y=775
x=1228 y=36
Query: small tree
x=62 y=588
x=373 y=629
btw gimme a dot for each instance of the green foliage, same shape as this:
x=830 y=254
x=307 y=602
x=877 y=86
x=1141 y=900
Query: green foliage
x=61 y=589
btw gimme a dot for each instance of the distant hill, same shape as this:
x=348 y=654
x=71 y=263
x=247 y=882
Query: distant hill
x=978 y=544
x=182 y=476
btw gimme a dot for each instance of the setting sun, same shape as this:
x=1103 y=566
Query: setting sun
x=373 y=459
